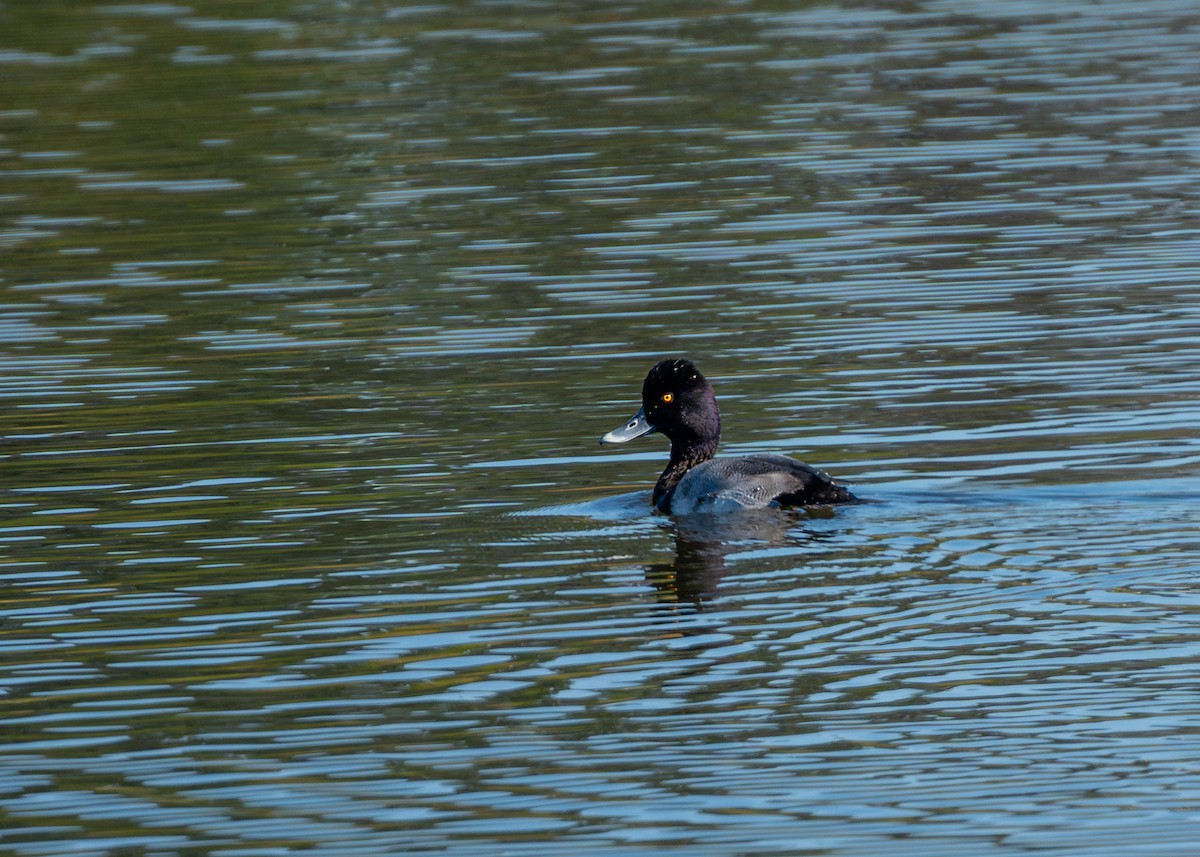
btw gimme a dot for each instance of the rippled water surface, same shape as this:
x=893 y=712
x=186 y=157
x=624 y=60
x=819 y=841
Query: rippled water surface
x=312 y=314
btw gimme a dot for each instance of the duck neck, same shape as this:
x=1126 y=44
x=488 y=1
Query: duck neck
x=684 y=456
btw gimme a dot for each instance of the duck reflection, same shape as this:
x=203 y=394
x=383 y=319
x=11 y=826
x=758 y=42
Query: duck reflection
x=703 y=542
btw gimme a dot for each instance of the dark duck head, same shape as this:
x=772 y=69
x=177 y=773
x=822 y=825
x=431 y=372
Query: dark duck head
x=678 y=402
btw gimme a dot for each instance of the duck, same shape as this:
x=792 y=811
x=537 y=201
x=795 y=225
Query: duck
x=679 y=402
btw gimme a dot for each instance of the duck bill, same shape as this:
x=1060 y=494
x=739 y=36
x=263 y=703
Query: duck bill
x=636 y=426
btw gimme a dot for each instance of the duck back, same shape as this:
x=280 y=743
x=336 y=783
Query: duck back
x=752 y=481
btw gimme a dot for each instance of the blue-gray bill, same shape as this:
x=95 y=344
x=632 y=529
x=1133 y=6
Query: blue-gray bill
x=635 y=427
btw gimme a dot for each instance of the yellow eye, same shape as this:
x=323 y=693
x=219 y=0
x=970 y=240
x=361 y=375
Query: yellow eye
x=668 y=397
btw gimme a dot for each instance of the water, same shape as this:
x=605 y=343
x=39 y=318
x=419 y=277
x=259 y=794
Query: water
x=313 y=313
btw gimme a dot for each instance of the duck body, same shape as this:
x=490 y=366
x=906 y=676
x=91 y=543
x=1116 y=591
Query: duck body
x=750 y=481
x=679 y=402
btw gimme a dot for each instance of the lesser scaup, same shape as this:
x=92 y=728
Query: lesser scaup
x=679 y=402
